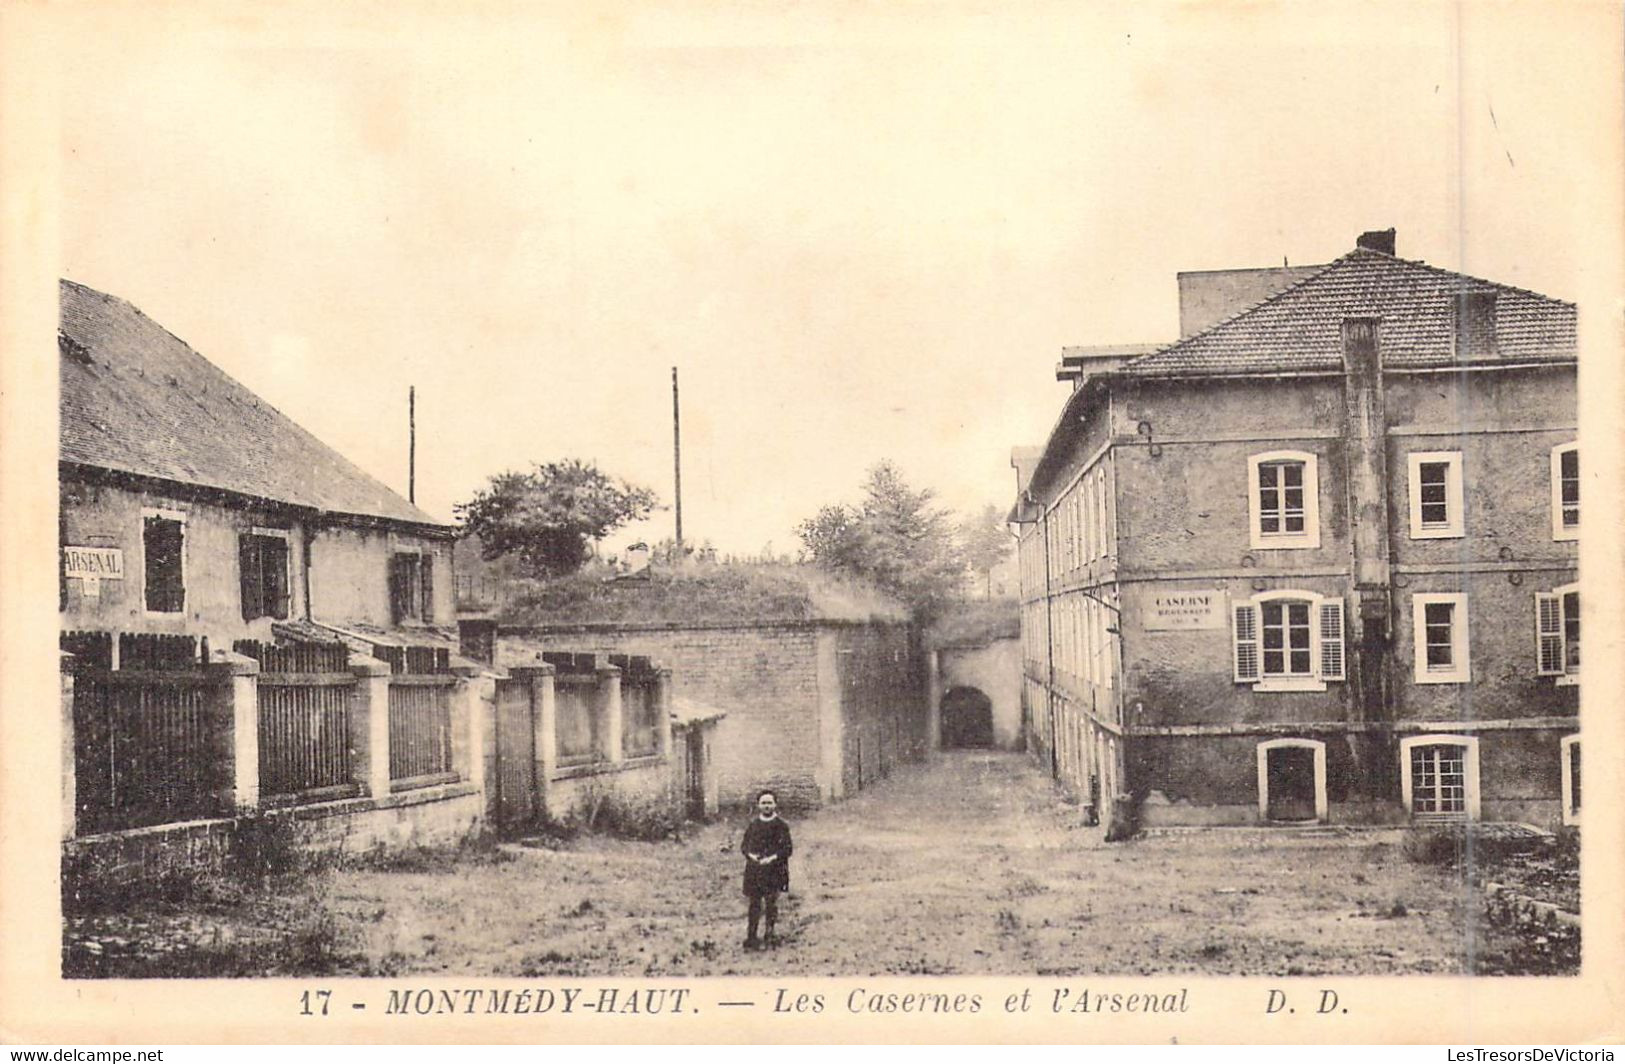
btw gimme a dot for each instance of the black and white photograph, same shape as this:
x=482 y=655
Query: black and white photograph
x=816 y=511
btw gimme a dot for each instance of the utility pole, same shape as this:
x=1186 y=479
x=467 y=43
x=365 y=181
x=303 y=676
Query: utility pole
x=412 y=444
x=677 y=458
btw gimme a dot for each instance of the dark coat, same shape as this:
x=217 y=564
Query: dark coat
x=766 y=838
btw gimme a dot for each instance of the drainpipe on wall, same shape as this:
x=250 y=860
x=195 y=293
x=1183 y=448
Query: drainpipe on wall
x=304 y=564
x=1364 y=432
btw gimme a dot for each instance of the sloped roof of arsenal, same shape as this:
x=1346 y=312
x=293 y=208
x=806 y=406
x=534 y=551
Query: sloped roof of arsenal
x=1299 y=328
x=137 y=400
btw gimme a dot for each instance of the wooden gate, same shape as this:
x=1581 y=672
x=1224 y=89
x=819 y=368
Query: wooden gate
x=516 y=790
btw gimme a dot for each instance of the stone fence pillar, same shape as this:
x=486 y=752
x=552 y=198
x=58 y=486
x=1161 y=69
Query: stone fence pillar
x=663 y=697
x=468 y=722
x=369 y=725
x=544 y=720
x=609 y=706
x=235 y=679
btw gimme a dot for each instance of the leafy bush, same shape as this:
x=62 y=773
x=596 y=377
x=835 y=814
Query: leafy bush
x=1443 y=846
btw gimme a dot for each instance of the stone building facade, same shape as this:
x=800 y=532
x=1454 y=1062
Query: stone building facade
x=1315 y=561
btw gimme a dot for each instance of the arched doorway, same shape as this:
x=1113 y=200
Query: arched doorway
x=967 y=718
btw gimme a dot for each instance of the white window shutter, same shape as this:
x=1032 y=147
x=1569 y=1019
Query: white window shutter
x=1246 y=636
x=1331 y=639
x=1549 y=633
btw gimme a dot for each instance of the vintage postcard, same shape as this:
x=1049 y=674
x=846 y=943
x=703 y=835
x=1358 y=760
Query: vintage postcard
x=811 y=522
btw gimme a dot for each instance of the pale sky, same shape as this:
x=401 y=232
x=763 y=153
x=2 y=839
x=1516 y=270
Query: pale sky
x=861 y=232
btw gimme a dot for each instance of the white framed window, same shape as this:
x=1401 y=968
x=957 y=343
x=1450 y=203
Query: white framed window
x=1566 y=491
x=1439 y=631
x=1283 y=500
x=1437 y=510
x=1288 y=641
x=1292 y=780
x=1569 y=749
x=163 y=562
x=1439 y=777
x=1557 y=633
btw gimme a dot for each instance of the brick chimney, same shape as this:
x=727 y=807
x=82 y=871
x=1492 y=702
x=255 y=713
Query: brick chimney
x=1377 y=240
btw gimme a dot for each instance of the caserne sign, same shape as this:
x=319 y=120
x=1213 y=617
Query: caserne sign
x=1185 y=609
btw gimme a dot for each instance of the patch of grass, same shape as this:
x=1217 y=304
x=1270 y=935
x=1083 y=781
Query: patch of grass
x=699 y=592
x=471 y=851
x=286 y=936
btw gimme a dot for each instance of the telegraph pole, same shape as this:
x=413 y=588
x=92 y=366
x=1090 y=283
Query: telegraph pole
x=677 y=458
x=411 y=444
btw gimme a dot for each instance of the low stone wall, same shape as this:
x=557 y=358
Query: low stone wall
x=425 y=817
x=1162 y=813
x=645 y=783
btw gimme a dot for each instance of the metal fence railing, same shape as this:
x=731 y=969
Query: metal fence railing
x=420 y=750
x=146 y=748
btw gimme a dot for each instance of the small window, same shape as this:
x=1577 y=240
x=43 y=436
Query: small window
x=163 y=546
x=1569 y=748
x=1288 y=640
x=1566 y=491
x=1557 y=633
x=1439 y=780
x=1439 y=777
x=1436 y=495
x=262 y=561
x=1439 y=625
x=411 y=587
x=1284 y=500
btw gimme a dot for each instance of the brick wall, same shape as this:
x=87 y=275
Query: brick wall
x=765 y=677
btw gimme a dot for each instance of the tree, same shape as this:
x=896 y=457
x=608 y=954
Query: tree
x=895 y=537
x=547 y=517
x=985 y=543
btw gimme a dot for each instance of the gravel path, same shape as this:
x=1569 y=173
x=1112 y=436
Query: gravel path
x=969 y=864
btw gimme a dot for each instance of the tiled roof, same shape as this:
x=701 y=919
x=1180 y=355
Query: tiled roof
x=136 y=399
x=1300 y=328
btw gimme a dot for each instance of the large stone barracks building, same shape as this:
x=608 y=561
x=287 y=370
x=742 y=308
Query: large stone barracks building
x=1316 y=560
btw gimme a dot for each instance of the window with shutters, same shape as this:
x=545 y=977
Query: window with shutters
x=1288 y=641
x=1569 y=750
x=163 y=550
x=1437 y=510
x=1439 y=631
x=262 y=566
x=1566 y=491
x=1283 y=500
x=1557 y=633
x=1439 y=777
x=411 y=587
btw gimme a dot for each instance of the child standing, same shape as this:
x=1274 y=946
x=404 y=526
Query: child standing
x=767 y=852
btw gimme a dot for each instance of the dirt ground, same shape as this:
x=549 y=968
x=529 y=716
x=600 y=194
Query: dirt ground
x=968 y=865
